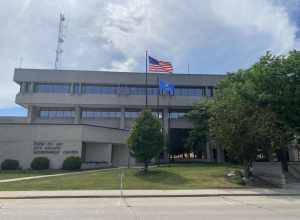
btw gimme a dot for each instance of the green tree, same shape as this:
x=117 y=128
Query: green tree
x=253 y=110
x=276 y=82
x=146 y=139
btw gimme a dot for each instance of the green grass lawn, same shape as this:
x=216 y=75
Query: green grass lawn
x=11 y=174
x=179 y=176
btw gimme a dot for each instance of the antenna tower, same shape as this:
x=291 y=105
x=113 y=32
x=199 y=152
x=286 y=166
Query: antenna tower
x=60 y=41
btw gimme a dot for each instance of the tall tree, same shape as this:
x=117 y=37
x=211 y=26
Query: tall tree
x=253 y=109
x=276 y=82
x=146 y=139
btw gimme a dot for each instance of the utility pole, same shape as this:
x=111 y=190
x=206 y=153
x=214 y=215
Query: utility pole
x=60 y=41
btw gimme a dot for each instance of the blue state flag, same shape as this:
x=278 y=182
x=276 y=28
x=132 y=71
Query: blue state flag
x=166 y=87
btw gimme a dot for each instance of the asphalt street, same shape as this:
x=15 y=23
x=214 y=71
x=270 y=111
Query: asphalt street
x=189 y=208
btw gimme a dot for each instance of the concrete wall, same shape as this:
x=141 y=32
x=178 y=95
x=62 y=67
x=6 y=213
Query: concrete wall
x=270 y=172
x=98 y=152
x=106 y=77
x=107 y=122
x=120 y=156
x=26 y=151
x=103 y=100
x=109 y=78
x=13 y=119
x=26 y=141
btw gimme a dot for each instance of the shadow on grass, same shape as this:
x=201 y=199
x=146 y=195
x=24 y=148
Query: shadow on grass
x=161 y=177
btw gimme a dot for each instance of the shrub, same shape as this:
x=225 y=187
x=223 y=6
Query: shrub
x=10 y=164
x=72 y=163
x=40 y=163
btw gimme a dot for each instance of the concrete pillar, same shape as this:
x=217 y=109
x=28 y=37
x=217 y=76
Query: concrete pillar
x=77 y=115
x=72 y=88
x=31 y=87
x=31 y=114
x=208 y=152
x=220 y=154
x=122 y=118
x=23 y=87
x=166 y=131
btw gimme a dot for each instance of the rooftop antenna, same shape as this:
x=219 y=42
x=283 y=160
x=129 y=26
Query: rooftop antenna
x=60 y=41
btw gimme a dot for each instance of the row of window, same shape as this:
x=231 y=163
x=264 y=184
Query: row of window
x=176 y=115
x=93 y=114
x=57 y=114
x=90 y=114
x=115 y=90
x=52 y=88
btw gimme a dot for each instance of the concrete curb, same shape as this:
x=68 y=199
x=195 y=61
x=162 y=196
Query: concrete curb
x=144 y=196
x=143 y=193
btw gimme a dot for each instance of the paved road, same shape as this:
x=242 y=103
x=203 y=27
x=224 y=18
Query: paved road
x=224 y=208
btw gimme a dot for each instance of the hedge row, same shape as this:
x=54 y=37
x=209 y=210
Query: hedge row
x=42 y=163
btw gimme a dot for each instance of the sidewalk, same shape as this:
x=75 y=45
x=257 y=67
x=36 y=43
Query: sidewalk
x=147 y=193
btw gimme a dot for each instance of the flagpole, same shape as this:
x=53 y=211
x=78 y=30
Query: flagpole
x=158 y=94
x=146 y=80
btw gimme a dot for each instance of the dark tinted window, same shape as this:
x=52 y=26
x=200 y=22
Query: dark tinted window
x=52 y=88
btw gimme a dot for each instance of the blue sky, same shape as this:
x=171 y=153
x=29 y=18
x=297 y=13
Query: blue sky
x=213 y=36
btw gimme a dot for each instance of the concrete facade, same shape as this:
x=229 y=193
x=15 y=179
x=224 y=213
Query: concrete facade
x=89 y=113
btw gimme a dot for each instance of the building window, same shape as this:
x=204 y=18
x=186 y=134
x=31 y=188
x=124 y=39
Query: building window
x=210 y=91
x=76 y=89
x=188 y=91
x=157 y=114
x=56 y=113
x=98 y=89
x=132 y=114
x=116 y=89
x=92 y=114
x=52 y=88
x=177 y=115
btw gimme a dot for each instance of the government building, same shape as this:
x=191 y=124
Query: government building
x=89 y=114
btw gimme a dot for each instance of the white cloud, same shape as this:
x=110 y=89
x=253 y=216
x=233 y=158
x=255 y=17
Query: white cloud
x=213 y=36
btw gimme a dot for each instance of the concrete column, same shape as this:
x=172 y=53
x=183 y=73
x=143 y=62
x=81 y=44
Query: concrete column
x=23 y=87
x=220 y=154
x=166 y=121
x=30 y=114
x=208 y=152
x=165 y=131
x=122 y=118
x=31 y=87
x=72 y=88
x=77 y=115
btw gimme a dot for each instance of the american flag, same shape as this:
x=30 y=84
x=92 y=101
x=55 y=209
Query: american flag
x=159 y=66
